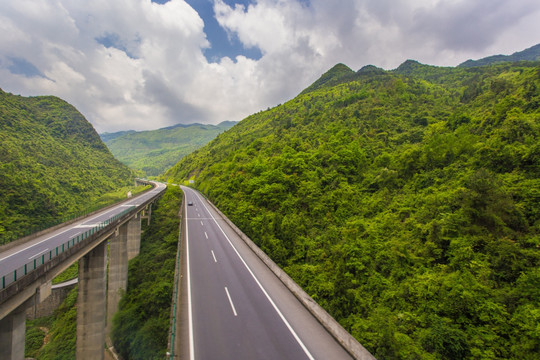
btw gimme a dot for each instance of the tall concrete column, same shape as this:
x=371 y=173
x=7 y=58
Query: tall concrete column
x=91 y=304
x=134 y=236
x=12 y=334
x=148 y=213
x=118 y=272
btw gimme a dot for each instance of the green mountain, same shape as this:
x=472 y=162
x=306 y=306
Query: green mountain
x=404 y=202
x=52 y=164
x=153 y=152
x=530 y=54
x=331 y=77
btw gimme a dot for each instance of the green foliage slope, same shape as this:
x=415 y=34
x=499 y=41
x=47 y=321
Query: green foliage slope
x=52 y=163
x=155 y=151
x=62 y=336
x=142 y=322
x=404 y=202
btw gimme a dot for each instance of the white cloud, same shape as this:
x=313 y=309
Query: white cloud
x=153 y=72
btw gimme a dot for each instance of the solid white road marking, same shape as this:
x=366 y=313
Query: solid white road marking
x=230 y=300
x=306 y=351
x=190 y=313
x=31 y=257
x=86 y=226
x=214 y=255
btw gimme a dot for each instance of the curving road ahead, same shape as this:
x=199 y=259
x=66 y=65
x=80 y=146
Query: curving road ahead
x=233 y=306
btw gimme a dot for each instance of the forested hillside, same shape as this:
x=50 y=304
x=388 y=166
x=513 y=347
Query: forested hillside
x=405 y=202
x=52 y=164
x=153 y=152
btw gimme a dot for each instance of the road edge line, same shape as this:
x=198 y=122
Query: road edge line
x=295 y=335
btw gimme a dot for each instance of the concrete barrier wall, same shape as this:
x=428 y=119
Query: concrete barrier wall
x=346 y=340
x=51 y=303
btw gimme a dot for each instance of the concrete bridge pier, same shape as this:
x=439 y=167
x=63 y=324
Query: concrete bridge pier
x=91 y=311
x=12 y=334
x=147 y=213
x=118 y=271
x=134 y=236
x=94 y=313
x=13 y=326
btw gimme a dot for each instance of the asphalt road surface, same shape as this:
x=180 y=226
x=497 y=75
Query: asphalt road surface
x=233 y=306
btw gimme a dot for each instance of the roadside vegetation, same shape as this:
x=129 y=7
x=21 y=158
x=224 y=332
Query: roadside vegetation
x=405 y=202
x=53 y=337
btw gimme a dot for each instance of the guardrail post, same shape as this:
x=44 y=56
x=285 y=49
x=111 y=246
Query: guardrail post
x=91 y=304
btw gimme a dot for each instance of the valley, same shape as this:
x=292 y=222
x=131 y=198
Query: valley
x=404 y=202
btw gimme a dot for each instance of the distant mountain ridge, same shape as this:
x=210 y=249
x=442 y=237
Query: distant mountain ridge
x=341 y=73
x=530 y=54
x=154 y=151
x=111 y=136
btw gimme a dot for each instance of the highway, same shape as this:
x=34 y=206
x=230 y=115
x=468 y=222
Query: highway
x=233 y=306
x=17 y=257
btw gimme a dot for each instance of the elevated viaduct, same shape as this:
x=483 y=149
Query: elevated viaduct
x=28 y=266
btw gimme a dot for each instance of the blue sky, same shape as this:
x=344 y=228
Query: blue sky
x=140 y=64
x=221 y=43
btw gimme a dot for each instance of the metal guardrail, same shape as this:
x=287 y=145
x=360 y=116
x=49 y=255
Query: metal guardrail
x=172 y=329
x=46 y=257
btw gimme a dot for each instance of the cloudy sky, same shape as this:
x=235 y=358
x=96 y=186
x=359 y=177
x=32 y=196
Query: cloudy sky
x=142 y=64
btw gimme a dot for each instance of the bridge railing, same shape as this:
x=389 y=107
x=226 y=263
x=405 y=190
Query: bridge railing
x=42 y=259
